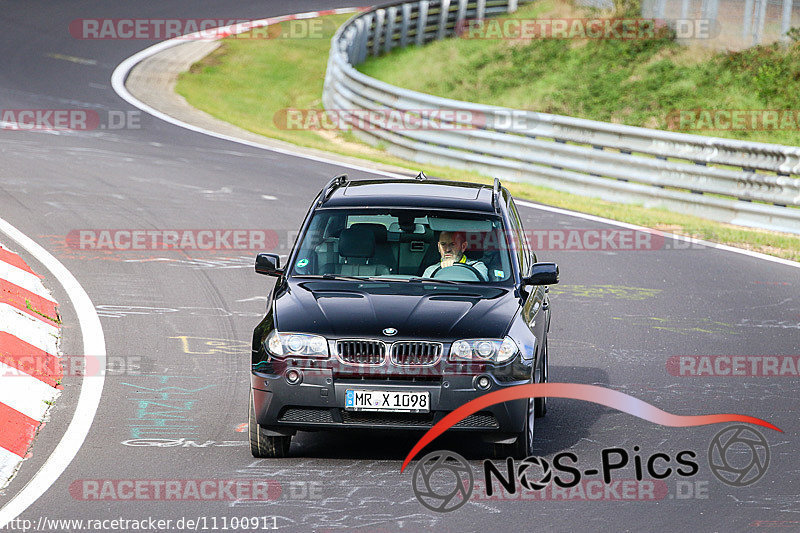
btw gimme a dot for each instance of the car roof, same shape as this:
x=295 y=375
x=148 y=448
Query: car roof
x=431 y=194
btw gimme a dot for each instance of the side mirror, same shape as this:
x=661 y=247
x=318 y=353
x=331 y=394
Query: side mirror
x=542 y=274
x=268 y=264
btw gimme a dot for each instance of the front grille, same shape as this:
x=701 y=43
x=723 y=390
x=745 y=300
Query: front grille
x=361 y=352
x=306 y=414
x=317 y=415
x=357 y=377
x=416 y=353
x=478 y=420
x=388 y=419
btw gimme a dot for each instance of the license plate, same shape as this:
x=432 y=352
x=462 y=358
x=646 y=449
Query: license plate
x=376 y=400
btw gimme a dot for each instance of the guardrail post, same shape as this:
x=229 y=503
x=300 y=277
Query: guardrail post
x=661 y=7
x=350 y=37
x=786 y=20
x=391 y=16
x=710 y=9
x=480 y=11
x=376 y=36
x=363 y=37
x=422 y=21
x=512 y=6
x=747 y=22
x=404 y=24
x=684 y=9
x=444 y=14
x=758 y=24
x=461 y=17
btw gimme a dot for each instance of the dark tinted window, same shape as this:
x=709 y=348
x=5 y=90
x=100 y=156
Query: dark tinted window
x=404 y=244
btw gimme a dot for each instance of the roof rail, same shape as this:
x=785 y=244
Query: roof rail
x=421 y=176
x=332 y=185
x=496 y=193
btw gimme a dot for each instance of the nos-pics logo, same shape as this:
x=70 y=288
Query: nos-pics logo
x=443 y=480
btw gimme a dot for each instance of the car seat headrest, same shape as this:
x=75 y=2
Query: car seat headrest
x=357 y=242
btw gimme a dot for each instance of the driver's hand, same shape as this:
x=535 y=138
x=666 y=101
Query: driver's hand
x=448 y=263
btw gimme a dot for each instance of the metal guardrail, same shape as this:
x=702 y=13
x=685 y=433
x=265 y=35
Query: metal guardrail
x=737 y=23
x=745 y=183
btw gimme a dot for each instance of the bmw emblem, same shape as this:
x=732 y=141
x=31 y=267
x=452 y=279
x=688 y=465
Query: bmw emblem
x=389 y=332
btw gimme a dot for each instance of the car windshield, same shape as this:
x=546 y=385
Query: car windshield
x=404 y=245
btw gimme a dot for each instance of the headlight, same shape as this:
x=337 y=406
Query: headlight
x=296 y=345
x=494 y=350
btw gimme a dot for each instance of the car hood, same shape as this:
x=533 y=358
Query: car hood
x=416 y=310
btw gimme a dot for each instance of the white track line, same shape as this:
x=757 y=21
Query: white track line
x=24 y=393
x=94 y=346
x=26 y=280
x=120 y=74
x=29 y=329
x=124 y=68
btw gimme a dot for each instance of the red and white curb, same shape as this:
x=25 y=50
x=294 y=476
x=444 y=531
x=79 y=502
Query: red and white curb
x=30 y=369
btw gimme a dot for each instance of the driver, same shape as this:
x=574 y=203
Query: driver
x=451 y=247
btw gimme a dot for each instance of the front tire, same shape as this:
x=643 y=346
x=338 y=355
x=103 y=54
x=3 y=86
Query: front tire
x=540 y=404
x=261 y=444
x=523 y=446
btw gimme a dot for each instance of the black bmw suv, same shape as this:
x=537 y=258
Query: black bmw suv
x=401 y=301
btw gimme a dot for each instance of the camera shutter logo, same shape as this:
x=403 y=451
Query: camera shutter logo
x=738 y=455
x=442 y=481
x=525 y=468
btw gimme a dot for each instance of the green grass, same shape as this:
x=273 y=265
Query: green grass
x=246 y=82
x=30 y=307
x=638 y=82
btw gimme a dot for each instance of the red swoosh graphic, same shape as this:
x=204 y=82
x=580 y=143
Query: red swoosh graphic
x=589 y=393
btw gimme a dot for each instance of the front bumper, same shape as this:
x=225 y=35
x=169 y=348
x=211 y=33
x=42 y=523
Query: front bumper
x=317 y=402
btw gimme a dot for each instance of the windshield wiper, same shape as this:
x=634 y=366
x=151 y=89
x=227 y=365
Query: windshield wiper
x=378 y=278
x=433 y=280
x=332 y=276
x=347 y=278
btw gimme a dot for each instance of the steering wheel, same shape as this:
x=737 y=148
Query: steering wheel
x=472 y=269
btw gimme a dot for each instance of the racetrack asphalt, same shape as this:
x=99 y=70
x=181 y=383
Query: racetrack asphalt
x=182 y=323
